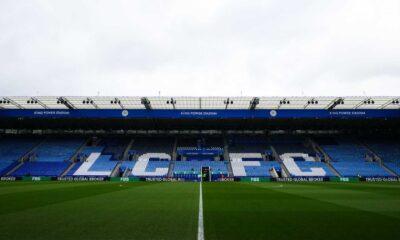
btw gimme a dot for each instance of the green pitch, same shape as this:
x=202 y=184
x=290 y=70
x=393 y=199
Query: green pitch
x=148 y=210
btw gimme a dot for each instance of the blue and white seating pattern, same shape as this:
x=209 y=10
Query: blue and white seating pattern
x=151 y=165
x=194 y=158
x=103 y=163
x=52 y=157
x=308 y=167
x=97 y=162
x=194 y=167
x=255 y=167
x=96 y=165
x=71 y=172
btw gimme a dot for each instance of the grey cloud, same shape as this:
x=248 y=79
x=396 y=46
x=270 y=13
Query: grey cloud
x=199 y=47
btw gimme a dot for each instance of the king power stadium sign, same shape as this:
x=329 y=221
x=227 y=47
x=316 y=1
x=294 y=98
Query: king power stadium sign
x=200 y=114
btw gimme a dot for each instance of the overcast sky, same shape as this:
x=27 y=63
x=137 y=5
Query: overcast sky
x=207 y=47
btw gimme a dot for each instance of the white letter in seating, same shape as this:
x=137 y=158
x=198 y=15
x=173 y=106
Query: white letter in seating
x=238 y=164
x=140 y=167
x=294 y=169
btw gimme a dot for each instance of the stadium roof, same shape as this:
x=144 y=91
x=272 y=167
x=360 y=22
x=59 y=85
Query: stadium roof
x=126 y=102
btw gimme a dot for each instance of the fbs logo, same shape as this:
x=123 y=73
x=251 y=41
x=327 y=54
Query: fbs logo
x=125 y=113
x=273 y=113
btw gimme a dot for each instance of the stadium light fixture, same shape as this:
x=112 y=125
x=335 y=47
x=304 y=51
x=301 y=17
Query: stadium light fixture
x=199 y=102
x=366 y=101
x=227 y=102
x=2 y=103
x=66 y=102
x=34 y=100
x=284 y=101
x=253 y=103
x=394 y=101
x=90 y=101
x=172 y=101
x=146 y=102
x=117 y=101
x=335 y=102
x=7 y=100
x=311 y=101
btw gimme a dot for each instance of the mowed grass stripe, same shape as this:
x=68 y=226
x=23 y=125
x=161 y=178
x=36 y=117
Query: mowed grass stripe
x=138 y=211
x=245 y=211
x=379 y=199
x=42 y=195
x=16 y=187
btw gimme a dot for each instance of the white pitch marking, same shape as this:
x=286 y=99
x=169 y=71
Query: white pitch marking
x=200 y=229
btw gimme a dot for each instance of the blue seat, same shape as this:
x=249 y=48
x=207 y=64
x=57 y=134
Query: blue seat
x=348 y=158
x=71 y=172
x=360 y=169
x=394 y=166
x=189 y=169
x=305 y=166
x=57 y=149
x=151 y=167
x=388 y=151
x=263 y=170
x=50 y=169
x=12 y=149
x=103 y=163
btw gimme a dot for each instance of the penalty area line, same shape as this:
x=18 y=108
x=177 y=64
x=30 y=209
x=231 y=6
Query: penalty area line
x=200 y=229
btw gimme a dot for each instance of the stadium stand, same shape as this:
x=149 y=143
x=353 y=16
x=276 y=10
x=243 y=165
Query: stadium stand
x=150 y=165
x=12 y=149
x=57 y=149
x=71 y=172
x=191 y=169
x=194 y=153
x=303 y=165
x=49 y=169
x=103 y=163
x=165 y=137
x=89 y=168
x=248 y=154
x=159 y=144
x=50 y=158
x=151 y=157
x=100 y=157
x=252 y=165
x=298 y=157
x=247 y=144
x=115 y=147
x=290 y=144
x=349 y=158
x=200 y=142
x=395 y=167
x=388 y=150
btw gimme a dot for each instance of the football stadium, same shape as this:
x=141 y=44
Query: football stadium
x=96 y=167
